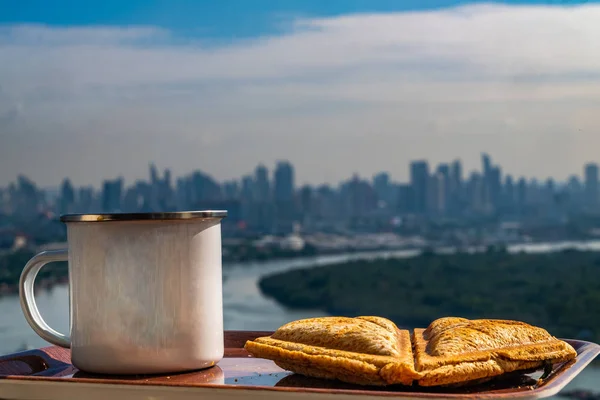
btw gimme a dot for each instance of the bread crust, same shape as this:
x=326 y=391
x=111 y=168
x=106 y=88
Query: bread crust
x=454 y=350
x=372 y=350
x=362 y=350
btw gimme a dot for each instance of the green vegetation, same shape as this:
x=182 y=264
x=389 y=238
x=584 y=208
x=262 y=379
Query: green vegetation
x=559 y=291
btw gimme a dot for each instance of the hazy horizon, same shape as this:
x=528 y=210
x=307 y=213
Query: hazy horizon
x=356 y=91
x=271 y=168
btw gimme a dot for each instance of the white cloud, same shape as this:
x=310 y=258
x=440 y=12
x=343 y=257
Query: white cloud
x=359 y=92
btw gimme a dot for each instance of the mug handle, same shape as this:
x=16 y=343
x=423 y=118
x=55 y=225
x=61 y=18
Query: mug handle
x=27 y=297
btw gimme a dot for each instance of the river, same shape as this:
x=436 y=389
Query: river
x=244 y=306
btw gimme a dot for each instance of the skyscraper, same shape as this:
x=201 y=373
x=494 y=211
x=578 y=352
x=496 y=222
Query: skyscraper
x=444 y=186
x=247 y=188
x=475 y=192
x=405 y=198
x=509 y=191
x=85 y=200
x=455 y=188
x=112 y=195
x=167 y=180
x=306 y=205
x=456 y=173
x=522 y=192
x=486 y=164
x=495 y=186
x=153 y=174
x=436 y=194
x=591 y=184
x=247 y=192
x=67 y=197
x=262 y=186
x=419 y=181
x=383 y=189
x=283 y=194
x=154 y=192
x=284 y=181
x=262 y=206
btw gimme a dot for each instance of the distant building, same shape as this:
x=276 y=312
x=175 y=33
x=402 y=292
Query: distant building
x=231 y=190
x=360 y=197
x=509 y=192
x=292 y=242
x=266 y=201
x=85 y=200
x=476 y=193
x=262 y=187
x=456 y=173
x=445 y=185
x=436 y=201
x=591 y=184
x=419 y=181
x=283 y=195
x=260 y=206
x=306 y=204
x=405 y=199
x=486 y=165
x=67 y=197
x=25 y=199
x=284 y=181
x=247 y=188
x=112 y=195
x=522 y=192
x=495 y=187
x=383 y=188
x=455 y=188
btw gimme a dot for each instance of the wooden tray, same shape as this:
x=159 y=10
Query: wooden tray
x=47 y=373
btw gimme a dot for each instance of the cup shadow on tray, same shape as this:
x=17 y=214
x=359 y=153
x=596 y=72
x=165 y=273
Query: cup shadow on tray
x=212 y=375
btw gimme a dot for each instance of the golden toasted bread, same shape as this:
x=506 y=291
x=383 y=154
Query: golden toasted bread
x=362 y=350
x=373 y=351
x=456 y=350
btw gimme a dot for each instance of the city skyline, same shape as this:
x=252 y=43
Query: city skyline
x=262 y=171
x=270 y=200
x=270 y=167
x=362 y=89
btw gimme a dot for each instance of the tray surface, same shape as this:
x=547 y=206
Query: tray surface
x=240 y=371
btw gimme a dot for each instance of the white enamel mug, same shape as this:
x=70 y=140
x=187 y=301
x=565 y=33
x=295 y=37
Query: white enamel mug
x=145 y=292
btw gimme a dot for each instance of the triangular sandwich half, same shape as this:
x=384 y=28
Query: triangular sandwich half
x=362 y=350
x=457 y=350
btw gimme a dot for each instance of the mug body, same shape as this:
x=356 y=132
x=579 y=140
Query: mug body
x=145 y=293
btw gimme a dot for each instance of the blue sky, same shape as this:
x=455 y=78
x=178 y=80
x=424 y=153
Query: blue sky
x=214 y=18
x=336 y=87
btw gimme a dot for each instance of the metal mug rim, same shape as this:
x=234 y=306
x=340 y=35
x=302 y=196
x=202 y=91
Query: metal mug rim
x=152 y=216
